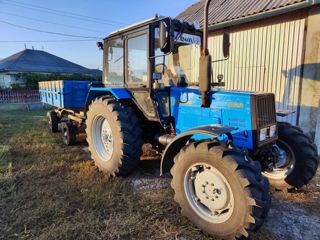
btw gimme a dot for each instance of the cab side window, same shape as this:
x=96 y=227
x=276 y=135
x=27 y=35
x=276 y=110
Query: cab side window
x=113 y=59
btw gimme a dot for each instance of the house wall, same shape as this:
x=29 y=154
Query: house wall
x=6 y=79
x=266 y=58
x=309 y=111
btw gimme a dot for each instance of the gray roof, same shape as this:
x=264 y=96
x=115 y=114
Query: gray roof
x=40 y=61
x=221 y=11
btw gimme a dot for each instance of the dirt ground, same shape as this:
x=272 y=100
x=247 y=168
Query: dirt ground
x=293 y=215
x=50 y=191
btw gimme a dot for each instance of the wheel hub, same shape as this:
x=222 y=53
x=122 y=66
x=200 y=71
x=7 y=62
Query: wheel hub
x=211 y=190
x=209 y=193
x=285 y=162
x=102 y=137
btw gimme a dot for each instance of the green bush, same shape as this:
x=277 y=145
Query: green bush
x=31 y=79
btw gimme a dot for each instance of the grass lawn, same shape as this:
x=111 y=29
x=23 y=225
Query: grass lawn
x=50 y=191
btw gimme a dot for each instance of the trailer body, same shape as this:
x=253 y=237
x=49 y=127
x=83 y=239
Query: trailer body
x=64 y=93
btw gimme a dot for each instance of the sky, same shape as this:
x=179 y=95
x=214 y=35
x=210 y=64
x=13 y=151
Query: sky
x=90 y=19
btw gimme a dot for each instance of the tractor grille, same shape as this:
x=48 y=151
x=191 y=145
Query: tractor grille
x=265 y=110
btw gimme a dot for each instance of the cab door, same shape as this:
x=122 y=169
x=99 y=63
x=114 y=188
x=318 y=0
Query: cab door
x=137 y=76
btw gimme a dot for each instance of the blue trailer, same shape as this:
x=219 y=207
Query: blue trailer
x=66 y=94
x=69 y=98
x=222 y=147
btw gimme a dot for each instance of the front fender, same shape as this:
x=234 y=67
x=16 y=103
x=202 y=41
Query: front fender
x=212 y=131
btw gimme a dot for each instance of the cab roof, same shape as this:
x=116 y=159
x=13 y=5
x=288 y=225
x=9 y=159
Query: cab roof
x=135 y=26
x=144 y=23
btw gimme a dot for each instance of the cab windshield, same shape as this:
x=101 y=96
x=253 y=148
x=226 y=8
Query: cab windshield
x=180 y=66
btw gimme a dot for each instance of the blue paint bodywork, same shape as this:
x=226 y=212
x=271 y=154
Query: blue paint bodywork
x=64 y=93
x=118 y=93
x=229 y=108
x=75 y=94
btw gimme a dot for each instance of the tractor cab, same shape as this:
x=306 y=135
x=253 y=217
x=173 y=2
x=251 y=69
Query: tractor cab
x=148 y=58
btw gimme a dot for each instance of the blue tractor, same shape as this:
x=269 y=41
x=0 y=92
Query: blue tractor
x=220 y=146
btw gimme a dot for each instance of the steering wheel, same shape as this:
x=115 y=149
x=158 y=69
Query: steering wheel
x=160 y=67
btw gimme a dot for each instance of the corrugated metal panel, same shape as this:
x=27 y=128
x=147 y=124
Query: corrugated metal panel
x=266 y=59
x=222 y=10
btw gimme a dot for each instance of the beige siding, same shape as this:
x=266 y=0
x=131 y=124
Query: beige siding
x=266 y=59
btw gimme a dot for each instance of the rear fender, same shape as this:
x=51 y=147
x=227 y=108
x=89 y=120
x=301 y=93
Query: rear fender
x=212 y=131
x=118 y=93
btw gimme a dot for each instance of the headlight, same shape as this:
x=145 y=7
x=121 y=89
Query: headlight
x=273 y=129
x=263 y=134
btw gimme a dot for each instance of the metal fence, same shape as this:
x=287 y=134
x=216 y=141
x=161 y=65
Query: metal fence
x=19 y=96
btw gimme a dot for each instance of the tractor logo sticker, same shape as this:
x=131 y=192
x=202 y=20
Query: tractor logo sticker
x=235 y=105
x=183 y=38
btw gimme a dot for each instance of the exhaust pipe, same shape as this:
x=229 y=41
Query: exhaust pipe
x=205 y=61
x=205 y=50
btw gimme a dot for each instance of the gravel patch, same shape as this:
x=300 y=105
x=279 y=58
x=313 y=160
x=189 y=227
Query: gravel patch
x=288 y=221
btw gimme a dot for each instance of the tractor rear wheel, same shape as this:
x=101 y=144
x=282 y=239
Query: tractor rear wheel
x=52 y=121
x=114 y=136
x=299 y=159
x=220 y=190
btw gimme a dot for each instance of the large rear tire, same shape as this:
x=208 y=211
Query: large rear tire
x=220 y=190
x=301 y=159
x=114 y=136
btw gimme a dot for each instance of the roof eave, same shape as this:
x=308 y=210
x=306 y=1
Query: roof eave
x=262 y=15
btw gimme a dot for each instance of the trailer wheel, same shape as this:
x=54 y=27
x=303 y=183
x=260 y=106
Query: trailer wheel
x=114 y=136
x=299 y=159
x=52 y=121
x=220 y=190
x=68 y=133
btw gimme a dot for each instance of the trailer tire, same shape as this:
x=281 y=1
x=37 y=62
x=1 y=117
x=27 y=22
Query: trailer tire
x=68 y=133
x=304 y=159
x=116 y=147
x=204 y=169
x=52 y=121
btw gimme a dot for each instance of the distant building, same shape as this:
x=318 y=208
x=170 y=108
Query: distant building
x=37 y=61
x=275 y=47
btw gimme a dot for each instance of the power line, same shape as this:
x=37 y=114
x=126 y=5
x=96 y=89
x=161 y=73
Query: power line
x=63 y=13
x=58 y=40
x=66 y=12
x=38 y=30
x=59 y=24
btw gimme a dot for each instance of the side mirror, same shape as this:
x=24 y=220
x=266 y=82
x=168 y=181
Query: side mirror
x=166 y=40
x=100 y=45
x=226 y=44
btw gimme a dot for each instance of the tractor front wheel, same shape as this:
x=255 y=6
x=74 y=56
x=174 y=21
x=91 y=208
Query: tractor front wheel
x=298 y=160
x=220 y=190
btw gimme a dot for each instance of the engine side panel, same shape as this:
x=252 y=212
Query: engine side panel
x=229 y=108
